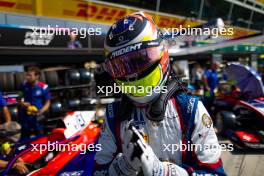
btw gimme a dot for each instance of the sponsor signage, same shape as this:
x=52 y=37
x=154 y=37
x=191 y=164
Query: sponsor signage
x=96 y=12
x=26 y=37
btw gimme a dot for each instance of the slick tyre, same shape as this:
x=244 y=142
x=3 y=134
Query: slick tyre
x=52 y=78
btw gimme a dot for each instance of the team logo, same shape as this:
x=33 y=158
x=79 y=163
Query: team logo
x=146 y=137
x=127 y=49
x=37 y=38
x=207 y=121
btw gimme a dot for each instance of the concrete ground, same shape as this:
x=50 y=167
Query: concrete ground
x=243 y=163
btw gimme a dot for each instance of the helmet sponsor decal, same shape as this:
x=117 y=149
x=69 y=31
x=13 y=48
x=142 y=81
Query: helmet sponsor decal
x=125 y=50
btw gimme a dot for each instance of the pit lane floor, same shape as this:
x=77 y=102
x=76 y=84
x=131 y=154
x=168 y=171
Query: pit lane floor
x=243 y=162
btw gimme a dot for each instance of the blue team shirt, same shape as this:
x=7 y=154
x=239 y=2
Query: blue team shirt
x=36 y=94
x=212 y=78
x=2 y=101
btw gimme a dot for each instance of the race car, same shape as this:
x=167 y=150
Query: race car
x=67 y=150
x=238 y=109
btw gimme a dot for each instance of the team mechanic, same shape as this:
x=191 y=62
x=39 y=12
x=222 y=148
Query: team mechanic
x=137 y=56
x=32 y=92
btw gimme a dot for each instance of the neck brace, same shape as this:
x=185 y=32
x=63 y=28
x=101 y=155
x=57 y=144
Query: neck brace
x=155 y=110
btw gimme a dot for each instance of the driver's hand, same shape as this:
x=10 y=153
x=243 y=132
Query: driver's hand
x=39 y=113
x=21 y=168
x=25 y=104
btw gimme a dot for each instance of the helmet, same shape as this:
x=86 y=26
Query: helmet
x=136 y=57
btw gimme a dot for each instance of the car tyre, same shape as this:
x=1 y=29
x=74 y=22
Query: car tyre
x=19 y=79
x=52 y=78
x=219 y=123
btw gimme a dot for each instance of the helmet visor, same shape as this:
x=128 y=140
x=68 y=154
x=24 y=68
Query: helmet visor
x=144 y=86
x=132 y=63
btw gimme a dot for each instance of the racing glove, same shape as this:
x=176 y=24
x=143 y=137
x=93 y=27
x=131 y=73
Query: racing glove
x=125 y=163
x=152 y=166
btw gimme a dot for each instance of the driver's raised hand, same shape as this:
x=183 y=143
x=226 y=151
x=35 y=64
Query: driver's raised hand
x=21 y=167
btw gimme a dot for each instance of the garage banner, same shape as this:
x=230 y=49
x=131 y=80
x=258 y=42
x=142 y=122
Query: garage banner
x=18 y=6
x=26 y=37
x=96 y=12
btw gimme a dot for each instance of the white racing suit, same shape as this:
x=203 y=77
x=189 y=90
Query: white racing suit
x=186 y=123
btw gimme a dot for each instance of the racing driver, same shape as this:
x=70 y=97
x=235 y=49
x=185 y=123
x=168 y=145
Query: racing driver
x=167 y=122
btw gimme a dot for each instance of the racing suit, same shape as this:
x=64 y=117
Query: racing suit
x=186 y=122
x=35 y=95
